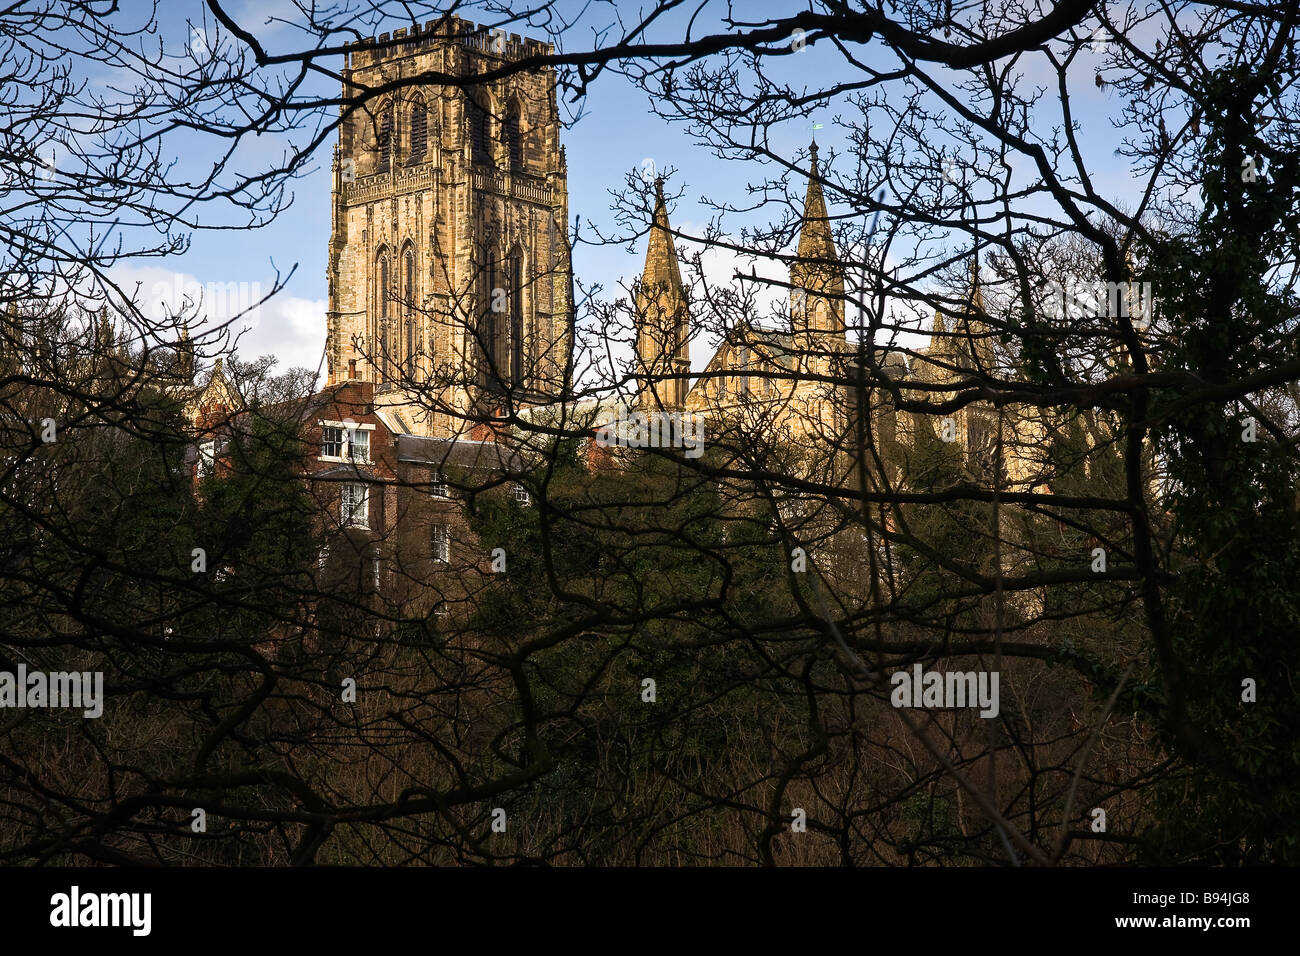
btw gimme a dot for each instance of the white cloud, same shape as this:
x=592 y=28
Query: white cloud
x=290 y=328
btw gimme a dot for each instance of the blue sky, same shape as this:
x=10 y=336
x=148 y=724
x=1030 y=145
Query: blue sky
x=615 y=136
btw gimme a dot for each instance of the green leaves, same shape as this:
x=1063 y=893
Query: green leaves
x=1235 y=602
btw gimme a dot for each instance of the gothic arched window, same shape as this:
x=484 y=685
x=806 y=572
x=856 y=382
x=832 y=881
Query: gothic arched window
x=410 y=312
x=382 y=296
x=419 y=128
x=798 y=305
x=384 y=138
x=512 y=135
x=480 y=138
x=515 y=277
x=492 y=317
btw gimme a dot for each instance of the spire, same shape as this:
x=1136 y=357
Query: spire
x=978 y=344
x=976 y=296
x=185 y=355
x=661 y=269
x=815 y=240
x=662 y=318
x=816 y=276
x=104 y=335
x=962 y=336
x=939 y=353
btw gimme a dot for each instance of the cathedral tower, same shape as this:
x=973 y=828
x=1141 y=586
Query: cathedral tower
x=448 y=261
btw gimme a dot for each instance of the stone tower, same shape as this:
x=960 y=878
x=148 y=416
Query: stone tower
x=662 y=319
x=449 y=270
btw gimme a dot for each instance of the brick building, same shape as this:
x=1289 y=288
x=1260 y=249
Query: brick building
x=391 y=503
x=389 y=507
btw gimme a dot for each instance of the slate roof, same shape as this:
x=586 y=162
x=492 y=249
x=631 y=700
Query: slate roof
x=457 y=452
